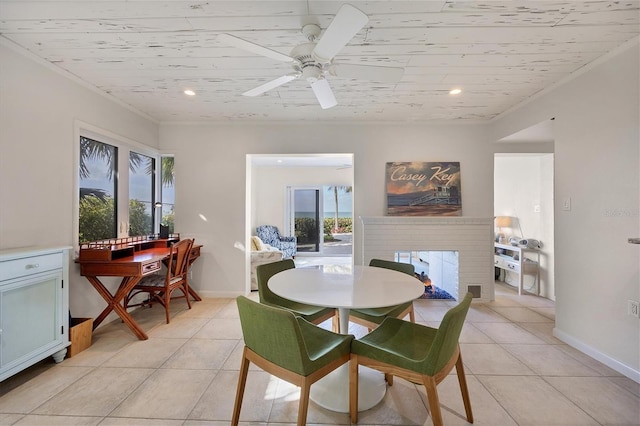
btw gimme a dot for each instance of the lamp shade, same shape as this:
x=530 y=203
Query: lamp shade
x=503 y=221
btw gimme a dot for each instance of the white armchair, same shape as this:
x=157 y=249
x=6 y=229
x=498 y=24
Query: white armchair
x=262 y=253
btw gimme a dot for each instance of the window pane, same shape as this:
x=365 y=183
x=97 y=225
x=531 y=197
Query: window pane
x=141 y=178
x=97 y=172
x=168 y=193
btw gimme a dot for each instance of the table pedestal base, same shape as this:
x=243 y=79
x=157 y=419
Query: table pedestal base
x=332 y=391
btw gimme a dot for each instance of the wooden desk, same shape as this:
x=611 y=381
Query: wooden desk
x=130 y=260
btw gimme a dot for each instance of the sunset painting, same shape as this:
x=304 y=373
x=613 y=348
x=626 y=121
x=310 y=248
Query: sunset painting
x=423 y=189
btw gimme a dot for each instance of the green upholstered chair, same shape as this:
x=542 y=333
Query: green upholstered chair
x=288 y=347
x=372 y=317
x=313 y=314
x=415 y=352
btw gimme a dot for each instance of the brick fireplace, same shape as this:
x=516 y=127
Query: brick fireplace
x=471 y=237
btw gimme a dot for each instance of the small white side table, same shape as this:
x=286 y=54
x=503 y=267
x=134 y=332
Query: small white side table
x=513 y=261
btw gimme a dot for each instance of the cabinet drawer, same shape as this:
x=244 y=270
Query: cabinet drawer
x=506 y=263
x=512 y=266
x=29 y=265
x=148 y=268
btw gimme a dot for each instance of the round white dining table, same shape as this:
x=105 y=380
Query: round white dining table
x=347 y=287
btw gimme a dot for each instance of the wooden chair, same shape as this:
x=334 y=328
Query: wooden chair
x=160 y=287
x=288 y=347
x=415 y=352
x=372 y=317
x=313 y=314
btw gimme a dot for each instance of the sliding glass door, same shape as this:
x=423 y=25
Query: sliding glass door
x=306 y=218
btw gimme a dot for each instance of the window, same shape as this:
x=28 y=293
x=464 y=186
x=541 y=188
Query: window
x=168 y=192
x=118 y=188
x=98 y=185
x=142 y=170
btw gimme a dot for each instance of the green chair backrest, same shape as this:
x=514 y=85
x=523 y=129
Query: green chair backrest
x=274 y=334
x=266 y=271
x=407 y=268
x=446 y=340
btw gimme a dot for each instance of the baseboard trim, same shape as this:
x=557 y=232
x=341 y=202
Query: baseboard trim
x=221 y=294
x=597 y=355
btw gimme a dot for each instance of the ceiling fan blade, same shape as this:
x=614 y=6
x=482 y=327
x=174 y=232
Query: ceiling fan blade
x=368 y=72
x=346 y=24
x=270 y=85
x=253 y=48
x=323 y=93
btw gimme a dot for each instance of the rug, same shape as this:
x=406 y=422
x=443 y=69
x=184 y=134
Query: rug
x=433 y=292
x=430 y=290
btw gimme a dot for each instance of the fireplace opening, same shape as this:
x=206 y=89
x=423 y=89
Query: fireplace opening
x=438 y=269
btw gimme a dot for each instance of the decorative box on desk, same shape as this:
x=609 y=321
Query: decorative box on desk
x=118 y=248
x=510 y=258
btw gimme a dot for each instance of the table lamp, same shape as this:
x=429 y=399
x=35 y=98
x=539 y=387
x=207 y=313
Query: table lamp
x=502 y=222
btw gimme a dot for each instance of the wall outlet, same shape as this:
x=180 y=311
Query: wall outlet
x=633 y=308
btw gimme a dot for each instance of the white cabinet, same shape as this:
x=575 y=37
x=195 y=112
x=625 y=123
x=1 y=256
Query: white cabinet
x=34 y=307
x=511 y=258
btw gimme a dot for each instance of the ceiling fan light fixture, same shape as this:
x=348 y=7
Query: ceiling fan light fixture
x=455 y=91
x=313 y=61
x=189 y=92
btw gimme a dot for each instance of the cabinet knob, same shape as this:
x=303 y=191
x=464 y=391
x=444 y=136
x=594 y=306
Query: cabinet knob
x=32 y=266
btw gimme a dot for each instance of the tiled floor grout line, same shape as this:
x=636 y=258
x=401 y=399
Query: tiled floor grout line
x=488 y=377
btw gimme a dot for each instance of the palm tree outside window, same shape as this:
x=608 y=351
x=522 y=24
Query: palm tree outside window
x=98 y=186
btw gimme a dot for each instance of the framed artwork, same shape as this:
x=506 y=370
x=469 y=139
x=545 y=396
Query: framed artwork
x=423 y=189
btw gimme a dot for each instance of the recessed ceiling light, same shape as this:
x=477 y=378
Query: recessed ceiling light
x=455 y=91
x=189 y=92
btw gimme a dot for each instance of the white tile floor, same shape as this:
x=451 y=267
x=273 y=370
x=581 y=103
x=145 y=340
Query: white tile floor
x=186 y=374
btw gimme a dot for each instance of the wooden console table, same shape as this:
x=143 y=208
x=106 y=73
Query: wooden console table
x=130 y=258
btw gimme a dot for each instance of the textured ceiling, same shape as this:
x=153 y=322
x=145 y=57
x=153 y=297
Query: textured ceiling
x=146 y=53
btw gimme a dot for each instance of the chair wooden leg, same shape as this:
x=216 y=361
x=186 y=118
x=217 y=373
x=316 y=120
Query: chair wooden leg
x=303 y=407
x=335 y=323
x=185 y=290
x=434 y=402
x=353 y=388
x=388 y=378
x=242 y=380
x=412 y=315
x=462 y=379
x=167 y=300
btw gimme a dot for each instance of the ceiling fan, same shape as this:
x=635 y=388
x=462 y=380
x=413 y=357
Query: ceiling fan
x=313 y=61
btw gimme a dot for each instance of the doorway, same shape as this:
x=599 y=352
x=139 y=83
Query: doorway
x=523 y=193
x=267 y=199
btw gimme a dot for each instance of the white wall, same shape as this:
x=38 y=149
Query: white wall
x=38 y=109
x=597 y=162
x=269 y=189
x=211 y=180
x=522 y=182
